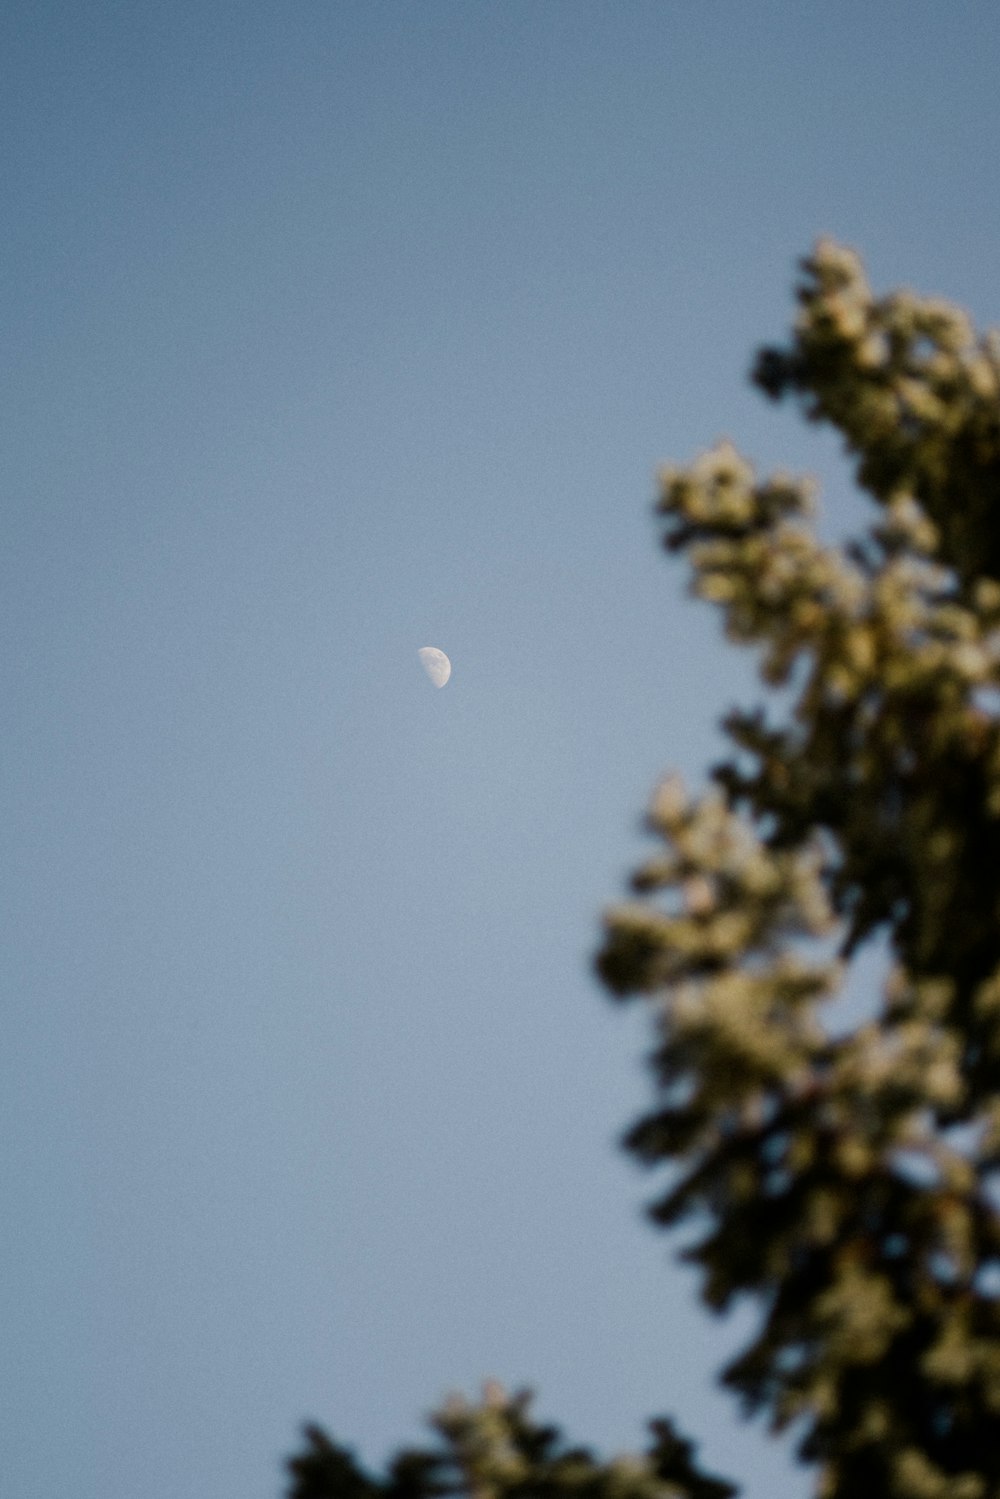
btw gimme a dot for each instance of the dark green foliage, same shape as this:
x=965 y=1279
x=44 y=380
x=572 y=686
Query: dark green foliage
x=325 y=1469
x=848 y=1181
x=495 y=1450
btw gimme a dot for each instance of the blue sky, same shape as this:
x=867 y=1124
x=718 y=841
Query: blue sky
x=331 y=331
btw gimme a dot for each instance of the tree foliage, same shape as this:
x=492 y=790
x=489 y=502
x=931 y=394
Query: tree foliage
x=844 y=1178
x=845 y=1181
x=496 y=1450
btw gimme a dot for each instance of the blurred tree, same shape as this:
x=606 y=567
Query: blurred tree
x=846 y=1178
x=494 y=1450
x=846 y=1181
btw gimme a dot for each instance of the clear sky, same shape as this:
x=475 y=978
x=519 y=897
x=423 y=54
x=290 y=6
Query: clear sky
x=332 y=330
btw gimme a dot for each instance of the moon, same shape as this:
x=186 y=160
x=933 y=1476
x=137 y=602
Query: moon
x=435 y=663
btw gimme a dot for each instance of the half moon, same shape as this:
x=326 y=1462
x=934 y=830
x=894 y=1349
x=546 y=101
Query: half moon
x=435 y=663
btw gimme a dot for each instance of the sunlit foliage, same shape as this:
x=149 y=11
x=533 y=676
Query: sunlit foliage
x=496 y=1450
x=846 y=1182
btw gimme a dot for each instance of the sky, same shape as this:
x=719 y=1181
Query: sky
x=331 y=331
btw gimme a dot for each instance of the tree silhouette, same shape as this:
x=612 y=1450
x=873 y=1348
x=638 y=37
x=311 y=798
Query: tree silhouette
x=495 y=1448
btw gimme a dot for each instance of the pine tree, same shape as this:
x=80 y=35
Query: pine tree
x=846 y=1180
x=496 y=1450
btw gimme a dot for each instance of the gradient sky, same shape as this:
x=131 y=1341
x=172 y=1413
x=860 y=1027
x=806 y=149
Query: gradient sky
x=333 y=330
